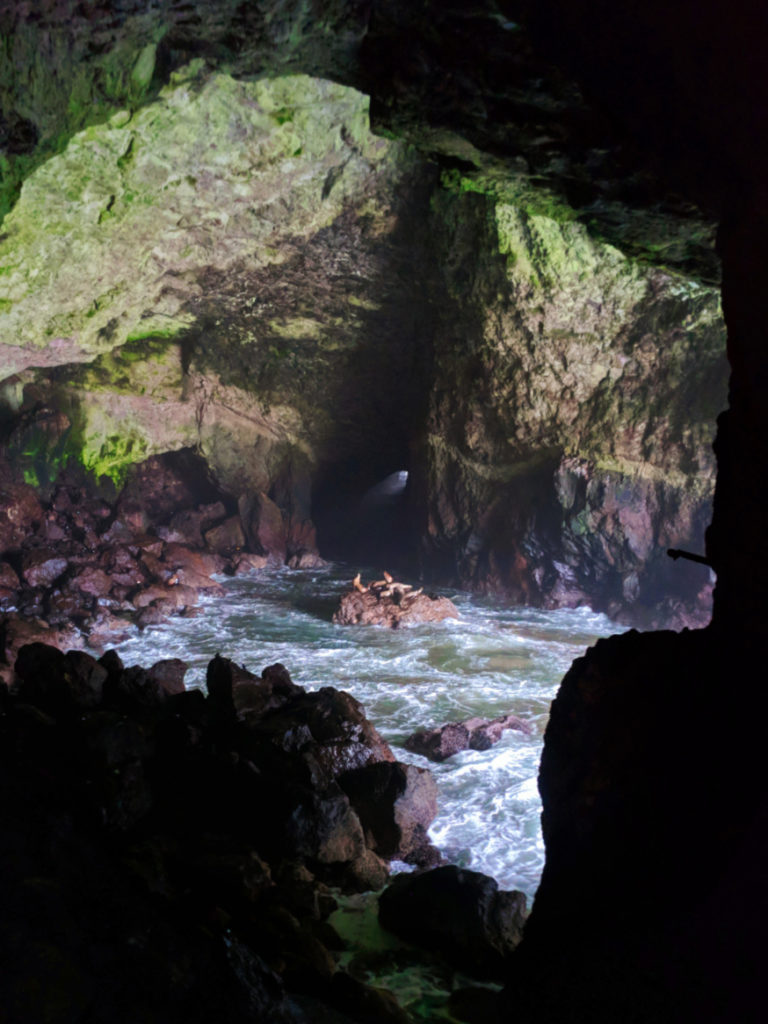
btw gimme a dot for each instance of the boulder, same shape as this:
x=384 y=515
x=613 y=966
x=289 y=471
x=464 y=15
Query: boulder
x=235 y=690
x=41 y=566
x=92 y=580
x=330 y=731
x=58 y=683
x=189 y=525
x=396 y=804
x=473 y=733
x=392 y=604
x=8 y=577
x=169 y=674
x=247 y=561
x=226 y=537
x=460 y=913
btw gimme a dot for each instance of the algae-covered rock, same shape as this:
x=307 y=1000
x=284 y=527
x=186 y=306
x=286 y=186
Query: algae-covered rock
x=572 y=417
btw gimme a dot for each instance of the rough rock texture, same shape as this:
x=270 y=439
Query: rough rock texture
x=163 y=852
x=240 y=265
x=377 y=607
x=569 y=438
x=645 y=124
x=473 y=734
x=99 y=565
x=396 y=804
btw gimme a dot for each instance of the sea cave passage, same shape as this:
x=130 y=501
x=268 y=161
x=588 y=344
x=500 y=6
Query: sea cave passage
x=363 y=515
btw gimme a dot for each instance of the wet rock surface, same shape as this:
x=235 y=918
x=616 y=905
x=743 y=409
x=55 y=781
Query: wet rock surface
x=208 y=828
x=472 y=734
x=82 y=563
x=392 y=604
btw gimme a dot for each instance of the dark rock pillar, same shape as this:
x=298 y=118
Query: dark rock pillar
x=653 y=904
x=737 y=541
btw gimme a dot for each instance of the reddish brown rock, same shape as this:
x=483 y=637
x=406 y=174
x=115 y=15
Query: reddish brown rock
x=17 y=630
x=226 y=537
x=265 y=526
x=92 y=580
x=247 y=561
x=306 y=560
x=169 y=674
x=391 y=605
x=203 y=563
x=20 y=511
x=8 y=577
x=175 y=596
x=106 y=629
x=189 y=525
x=41 y=566
x=474 y=733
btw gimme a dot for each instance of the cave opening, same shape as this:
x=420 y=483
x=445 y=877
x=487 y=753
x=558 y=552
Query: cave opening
x=556 y=459
x=365 y=519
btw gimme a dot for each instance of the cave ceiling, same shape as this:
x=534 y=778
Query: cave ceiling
x=479 y=87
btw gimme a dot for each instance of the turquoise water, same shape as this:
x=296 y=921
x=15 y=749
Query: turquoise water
x=492 y=661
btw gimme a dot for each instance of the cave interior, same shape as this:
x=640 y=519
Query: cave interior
x=456 y=288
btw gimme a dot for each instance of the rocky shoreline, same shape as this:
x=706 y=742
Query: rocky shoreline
x=218 y=831
x=77 y=564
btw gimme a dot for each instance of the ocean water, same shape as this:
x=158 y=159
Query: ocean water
x=492 y=661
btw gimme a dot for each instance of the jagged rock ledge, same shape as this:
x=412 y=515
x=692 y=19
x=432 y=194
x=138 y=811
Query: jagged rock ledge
x=210 y=827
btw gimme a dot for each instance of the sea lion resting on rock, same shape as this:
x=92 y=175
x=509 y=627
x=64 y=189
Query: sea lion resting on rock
x=389 y=603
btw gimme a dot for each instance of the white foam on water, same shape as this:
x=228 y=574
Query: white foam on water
x=493 y=661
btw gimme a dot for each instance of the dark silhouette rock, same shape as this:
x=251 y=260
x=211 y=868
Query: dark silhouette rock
x=58 y=683
x=396 y=804
x=458 y=912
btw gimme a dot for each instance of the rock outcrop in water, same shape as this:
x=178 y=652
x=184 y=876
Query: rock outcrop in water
x=388 y=603
x=444 y=741
x=168 y=856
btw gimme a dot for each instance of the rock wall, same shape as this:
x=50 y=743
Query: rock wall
x=239 y=266
x=571 y=421
x=225 y=269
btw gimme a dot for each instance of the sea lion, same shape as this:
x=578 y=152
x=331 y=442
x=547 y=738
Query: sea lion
x=387 y=577
x=358 y=585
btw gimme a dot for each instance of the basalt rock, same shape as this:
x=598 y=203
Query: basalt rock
x=461 y=913
x=391 y=605
x=472 y=734
x=125 y=798
x=396 y=804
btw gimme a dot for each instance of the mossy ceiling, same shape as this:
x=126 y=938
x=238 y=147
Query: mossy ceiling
x=466 y=83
